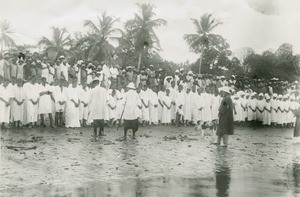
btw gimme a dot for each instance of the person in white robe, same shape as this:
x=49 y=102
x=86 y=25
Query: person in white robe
x=244 y=106
x=144 y=94
x=64 y=68
x=131 y=107
x=153 y=106
x=45 y=102
x=206 y=111
x=17 y=103
x=32 y=95
x=120 y=103
x=194 y=101
x=280 y=111
x=5 y=103
x=160 y=95
x=252 y=107
x=260 y=108
x=84 y=94
x=237 y=108
x=167 y=101
x=72 y=105
x=59 y=93
x=267 y=110
x=187 y=114
x=173 y=97
x=98 y=107
x=274 y=108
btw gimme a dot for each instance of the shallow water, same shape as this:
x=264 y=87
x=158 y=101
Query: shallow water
x=260 y=162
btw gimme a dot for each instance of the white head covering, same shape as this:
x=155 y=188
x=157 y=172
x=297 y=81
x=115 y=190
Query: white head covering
x=190 y=72
x=275 y=95
x=131 y=86
x=225 y=89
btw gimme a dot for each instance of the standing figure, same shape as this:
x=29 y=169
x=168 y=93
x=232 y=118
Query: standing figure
x=72 y=105
x=130 y=113
x=225 y=126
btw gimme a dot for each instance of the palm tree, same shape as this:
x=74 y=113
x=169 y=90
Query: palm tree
x=203 y=38
x=6 y=35
x=58 y=45
x=97 y=42
x=142 y=29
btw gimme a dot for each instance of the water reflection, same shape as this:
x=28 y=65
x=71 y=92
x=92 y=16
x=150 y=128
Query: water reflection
x=222 y=173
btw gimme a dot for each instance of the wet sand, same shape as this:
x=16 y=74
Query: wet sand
x=163 y=161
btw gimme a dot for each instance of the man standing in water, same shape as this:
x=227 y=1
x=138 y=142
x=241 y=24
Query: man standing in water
x=225 y=126
x=130 y=113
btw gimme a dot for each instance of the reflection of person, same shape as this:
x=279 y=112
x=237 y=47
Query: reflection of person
x=225 y=126
x=222 y=173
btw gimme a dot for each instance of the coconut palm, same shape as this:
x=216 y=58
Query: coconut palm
x=98 y=41
x=6 y=34
x=58 y=45
x=142 y=29
x=203 y=38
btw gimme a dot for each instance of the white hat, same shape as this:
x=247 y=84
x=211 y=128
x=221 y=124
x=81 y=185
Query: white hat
x=279 y=96
x=61 y=57
x=79 y=61
x=267 y=97
x=292 y=97
x=181 y=69
x=275 y=95
x=225 y=89
x=131 y=86
x=190 y=72
x=261 y=94
x=177 y=71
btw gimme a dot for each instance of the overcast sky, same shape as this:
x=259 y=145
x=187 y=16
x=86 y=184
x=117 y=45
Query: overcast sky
x=244 y=24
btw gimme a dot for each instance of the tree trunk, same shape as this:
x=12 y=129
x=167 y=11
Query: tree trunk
x=140 y=59
x=200 y=61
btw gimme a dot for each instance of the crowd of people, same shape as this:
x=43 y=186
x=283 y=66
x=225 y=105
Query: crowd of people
x=91 y=93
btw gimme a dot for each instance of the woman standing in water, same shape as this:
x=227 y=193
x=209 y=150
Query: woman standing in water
x=225 y=126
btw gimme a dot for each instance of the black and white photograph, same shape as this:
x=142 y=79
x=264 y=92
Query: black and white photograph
x=149 y=98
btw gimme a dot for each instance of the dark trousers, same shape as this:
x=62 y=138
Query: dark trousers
x=98 y=123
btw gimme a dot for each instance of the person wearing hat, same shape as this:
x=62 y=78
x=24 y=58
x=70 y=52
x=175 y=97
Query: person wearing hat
x=130 y=111
x=260 y=108
x=98 y=107
x=280 y=110
x=20 y=68
x=225 y=126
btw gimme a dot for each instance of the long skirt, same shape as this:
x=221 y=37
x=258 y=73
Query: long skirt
x=72 y=115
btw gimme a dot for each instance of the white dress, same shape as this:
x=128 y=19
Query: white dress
x=84 y=96
x=187 y=107
x=6 y=94
x=72 y=112
x=153 y=110
x=215 y=107
x=238 y=116
x=160 y=95
x=206 y=111
x=194 y=108
x=17 y=110
x=120 y=103
x=31 y=92
x=45 y=102
x=267 y=115
x=145 y=111
x=59 y=96
x=260 y=106
x=179 y=100
x=166 y=117
x=132 y=101
x=98 y=103
x=274 y=114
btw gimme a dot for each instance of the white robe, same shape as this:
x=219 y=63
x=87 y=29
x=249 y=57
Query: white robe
x=45 y=102
x=145 y=110
x=166 y=117
x=206 y=111
x=160 y=95
x=120 y=103
x=216 y=101
x=84 y=96
x=59 y=96
x=17 y=110
x=31 y=92
x=187 y=107
x=153 y=110
x=6 y=94
x=180 y=98
x=98 y=103
x=251 y=114
x=112 y=101
x=267 y=115
x=173 y=108
x=72 y=112
x=132 y=101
